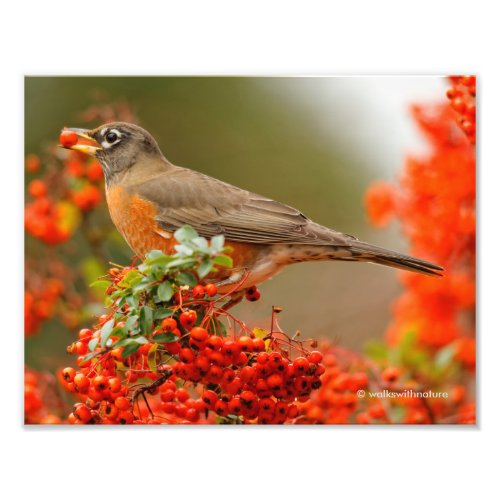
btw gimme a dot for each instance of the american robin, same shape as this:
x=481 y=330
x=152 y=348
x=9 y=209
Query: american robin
x=149 y=198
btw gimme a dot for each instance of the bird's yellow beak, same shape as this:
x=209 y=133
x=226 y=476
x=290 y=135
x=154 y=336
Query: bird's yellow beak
x=79 y=139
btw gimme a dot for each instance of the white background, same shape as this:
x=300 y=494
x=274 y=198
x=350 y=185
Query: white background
x=258 y=37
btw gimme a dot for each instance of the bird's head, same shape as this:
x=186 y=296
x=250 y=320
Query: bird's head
x=117 y=146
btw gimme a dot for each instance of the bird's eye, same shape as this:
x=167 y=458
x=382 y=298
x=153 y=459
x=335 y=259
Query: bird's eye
x=111 y=137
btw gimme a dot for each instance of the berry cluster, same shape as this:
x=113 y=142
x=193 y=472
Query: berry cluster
x=440 y=187
x=437 y=314
x=462 y=96
x=40 y=303
x=74 y=189
x=350 y=384
x=174 y=347
x=39 y=394
x=337 y=401
x=195 y=372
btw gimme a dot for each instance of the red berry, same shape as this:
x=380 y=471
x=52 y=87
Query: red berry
x=262 y=358
x=458 y=104
x=468 y=127
x=122 y=403
x=246 y=343
x=81 y=382
x=188 y=319
x=125 y=417
x=114 y=384
x=248 y=399
x=231 y=348
x=358 y=380
x=100 y=383
x=37 y=188
x=186 y=355
x=94 y=172
x=68 y=374
x=274 y=381
x=259 y=345
x=235 y=406
x=82 y=413
x=293 y=411
x=267 y=405
x=211 y=289
x=301 y=365
x=199 y=334
x=221 y=408
x=390 y=374
x=215 y=342
x=315 y=357
x=192 y=415
x=182 y=395
x=363 y=418
x=469 y=80
x=252 y=294
x=210 y=398
x=169 y=324
x=85 y=334
x=173 y=347
x=198 y=292
x=68 y=138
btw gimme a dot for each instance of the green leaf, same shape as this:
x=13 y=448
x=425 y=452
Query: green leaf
x=130 y=348
x=131 y=340
x=131 y=278
x=204 y=268
x=152 y=358
x=217 y=243
x=376 y=350
x=185 y=233
x=408 y=341
x=184 y=250
x=445 y=356
x=146 y=319
x=132 y=301
x=162 y=312
x=187 y=278
x=223 y=260
x=118 y=332
x=155 y=256
x=181 y=262
x=106 y=331
x=201 y=243
x=88 y=356
x=131 y=323
x=165 y=291
x=100 y=284
x=165 y=337
x=142 y=285
x=93 y=344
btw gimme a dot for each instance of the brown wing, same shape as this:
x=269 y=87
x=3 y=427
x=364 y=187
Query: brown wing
x=213 y=207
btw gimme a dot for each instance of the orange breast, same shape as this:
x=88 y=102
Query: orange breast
x=134 y=217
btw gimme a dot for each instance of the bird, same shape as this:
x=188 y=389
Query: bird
x=149 y=198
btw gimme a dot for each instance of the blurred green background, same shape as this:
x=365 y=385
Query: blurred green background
x=313 y=143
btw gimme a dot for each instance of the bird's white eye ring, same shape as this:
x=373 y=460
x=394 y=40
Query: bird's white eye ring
x=111 y=137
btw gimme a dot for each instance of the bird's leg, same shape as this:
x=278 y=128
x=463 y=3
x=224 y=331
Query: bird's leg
x=234 y=300
x=236 y=295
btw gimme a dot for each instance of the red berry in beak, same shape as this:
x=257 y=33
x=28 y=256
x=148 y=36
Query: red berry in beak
x=68 y=138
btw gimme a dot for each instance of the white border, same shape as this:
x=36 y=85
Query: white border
x=228 y=37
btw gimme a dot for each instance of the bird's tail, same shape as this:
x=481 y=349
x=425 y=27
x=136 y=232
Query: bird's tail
x=378 y=255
